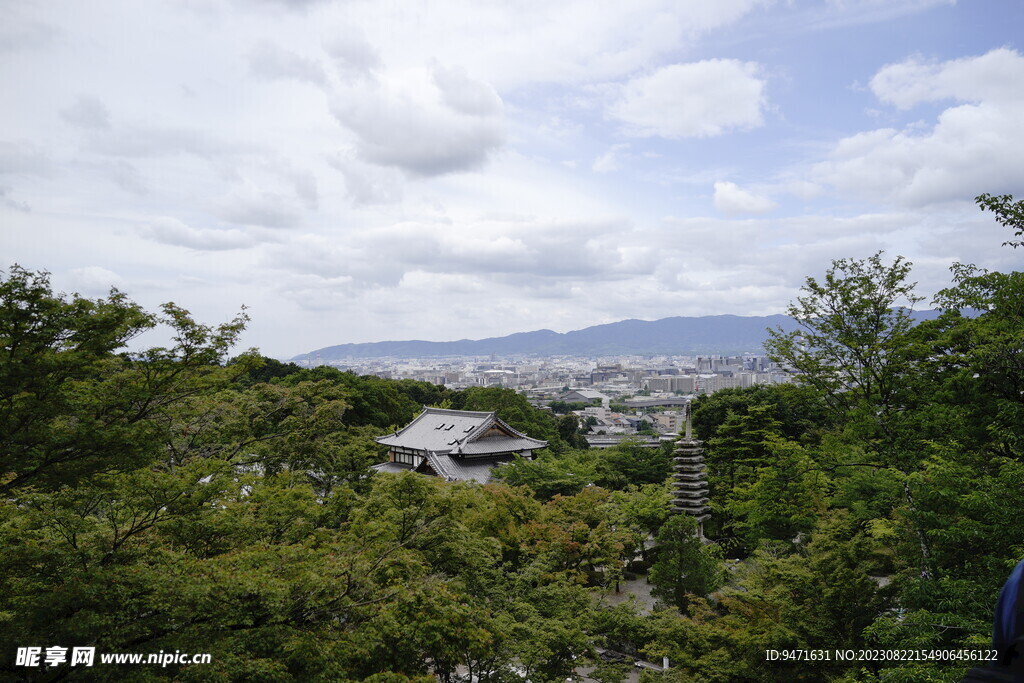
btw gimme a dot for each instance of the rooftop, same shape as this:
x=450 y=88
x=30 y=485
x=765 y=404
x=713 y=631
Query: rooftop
x=460 y=432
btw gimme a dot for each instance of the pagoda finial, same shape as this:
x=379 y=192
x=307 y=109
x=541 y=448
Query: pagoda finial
x=689 y=422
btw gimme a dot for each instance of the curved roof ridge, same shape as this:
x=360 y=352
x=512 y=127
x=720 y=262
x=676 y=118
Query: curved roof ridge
x=514 y=431
x=481 y=428
x=453 y=411
x=440 y=462
x=487 y=424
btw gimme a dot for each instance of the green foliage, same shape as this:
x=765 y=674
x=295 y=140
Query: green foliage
x=742 y=444
x=569 y=431
x=684 y=566
x=853 y=348
x=563 y=407
x=1008 y=212
x=629 y=463
x=783 y=501
x=568 y=472
x=372 y=400
x=645 y=507
x=798 y=410
x=551 y=474
x=263 y=369
x=70 y=407
x=162 y=500
x=165 y=499
x=982 y=356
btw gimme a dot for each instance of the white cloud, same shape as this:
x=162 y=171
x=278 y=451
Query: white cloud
x=305 y=186
x=699 y=99
x=24 y=158
x=571 y=42
x=93 y=280
x=212 y=121
x=609 y=161
x=88 y=112
x=464 y=94
x=11 y=203
x=992 y=77
x=353 y=55
x=271 y=61
x=248 y=204
x=147 y=140
x=29 y=35
x=730 y=198
x=494 y=249
x=367 y=184
x=123 y=174
x=175 y=233
x=426 y=122
x=971 y=148
x=318 y=258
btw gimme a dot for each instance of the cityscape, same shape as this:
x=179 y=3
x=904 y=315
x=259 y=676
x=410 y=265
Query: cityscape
x=624 y=395
x=512 y=341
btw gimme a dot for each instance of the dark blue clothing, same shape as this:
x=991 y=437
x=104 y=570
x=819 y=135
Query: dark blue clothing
x=1008 y=624
x=1007 y=634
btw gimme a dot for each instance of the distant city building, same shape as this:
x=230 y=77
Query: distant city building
x=670 y=384
x=586 y=396
x=669 y=421
x=457 y=445
x=615 y=377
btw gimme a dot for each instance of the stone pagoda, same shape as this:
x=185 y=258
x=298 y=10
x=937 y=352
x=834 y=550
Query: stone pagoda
x=690 y=481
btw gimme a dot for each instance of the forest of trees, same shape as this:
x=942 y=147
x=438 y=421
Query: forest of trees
x=178 y=498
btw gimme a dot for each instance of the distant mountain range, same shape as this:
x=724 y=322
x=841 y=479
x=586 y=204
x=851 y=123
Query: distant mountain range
x=712 y=334
x=682 y=336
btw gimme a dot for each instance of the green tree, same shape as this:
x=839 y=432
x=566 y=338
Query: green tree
x=853 y=348
x=685 y=566
x=797 y=408
x=741 y=445
x=980 y=357
x=551 y=474
x=263 y=369
x=372 y=400
x=585 y=535
x=785 y=498
x=646 y=507
x=859 y=350
x=1008 y=212
x=629 y=463
x=569 y=431
x=69 y=405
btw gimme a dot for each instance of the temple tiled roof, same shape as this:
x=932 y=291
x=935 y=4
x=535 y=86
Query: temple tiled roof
x=460 y=432
x=457 y=469
x=393 y=467
x=498 y=444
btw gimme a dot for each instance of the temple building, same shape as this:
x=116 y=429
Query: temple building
x=458 y=445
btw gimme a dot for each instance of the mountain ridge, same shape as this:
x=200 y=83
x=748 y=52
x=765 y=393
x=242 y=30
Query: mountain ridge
x=677 y=335
x=723 y=334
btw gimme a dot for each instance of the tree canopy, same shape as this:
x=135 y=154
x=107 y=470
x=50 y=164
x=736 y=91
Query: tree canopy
x=171 y=499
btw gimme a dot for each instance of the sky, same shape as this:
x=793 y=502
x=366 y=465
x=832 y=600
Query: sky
x=360 y=171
